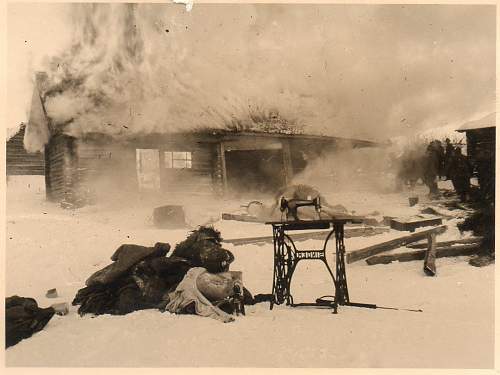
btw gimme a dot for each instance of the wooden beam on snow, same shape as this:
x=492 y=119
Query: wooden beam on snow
x=446 y=243
x=369 y=251
x=451 y=251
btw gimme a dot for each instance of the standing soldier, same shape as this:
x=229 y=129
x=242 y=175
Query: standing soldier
x=439 y=149
x=460 y=172
x=431 y=169
x=448 y=155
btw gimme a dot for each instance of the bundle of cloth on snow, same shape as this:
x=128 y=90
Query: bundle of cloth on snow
x=193 y=279
x=23 y=318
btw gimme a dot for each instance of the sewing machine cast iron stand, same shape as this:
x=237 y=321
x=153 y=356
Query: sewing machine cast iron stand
x=287 y=256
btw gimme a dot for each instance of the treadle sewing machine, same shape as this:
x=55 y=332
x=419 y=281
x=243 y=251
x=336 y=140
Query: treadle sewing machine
x=287 y=256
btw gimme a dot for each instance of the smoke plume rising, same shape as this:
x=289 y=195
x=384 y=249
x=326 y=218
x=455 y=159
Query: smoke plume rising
x=366 y=71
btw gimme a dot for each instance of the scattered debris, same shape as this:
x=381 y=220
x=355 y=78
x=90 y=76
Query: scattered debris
x=356 y=255
x=144 y=278
x=169 y=217
x=61 y=308
x=412 y=201
x=51 y=293
x=414 y=222
x=451 y=251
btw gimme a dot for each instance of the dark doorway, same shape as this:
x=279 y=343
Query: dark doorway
x=260 y=171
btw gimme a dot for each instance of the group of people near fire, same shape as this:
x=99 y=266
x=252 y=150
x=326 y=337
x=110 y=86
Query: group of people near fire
x=437 y=162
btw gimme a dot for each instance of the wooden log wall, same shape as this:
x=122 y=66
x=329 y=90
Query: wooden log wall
x=19 y=161
x=116 y=162
x=200 y=179
x=60 y=168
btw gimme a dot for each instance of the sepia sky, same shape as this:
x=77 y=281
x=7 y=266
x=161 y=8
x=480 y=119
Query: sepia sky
x=370 y=71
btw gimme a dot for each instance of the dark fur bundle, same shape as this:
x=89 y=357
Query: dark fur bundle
x=203 y=248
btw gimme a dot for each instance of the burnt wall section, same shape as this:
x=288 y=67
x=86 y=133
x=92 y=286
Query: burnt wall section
x=21 y=162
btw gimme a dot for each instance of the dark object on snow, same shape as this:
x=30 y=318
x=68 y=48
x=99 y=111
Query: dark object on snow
x=118 y=298
x=262 y=298
x=482 y=260
x=203 y=248
x=482 y=223
x=142 y=277
x=145 y=286
x=124 y=258
x=412 y=201
x=51 y=293
x=169 y=217
x=23 y=318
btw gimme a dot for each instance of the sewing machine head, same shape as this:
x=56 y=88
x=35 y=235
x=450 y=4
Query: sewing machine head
x=290 y=206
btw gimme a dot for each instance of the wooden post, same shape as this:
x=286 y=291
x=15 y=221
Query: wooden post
x=430 y=256
x=222 y=155
x=287 y=161
x=47 y=161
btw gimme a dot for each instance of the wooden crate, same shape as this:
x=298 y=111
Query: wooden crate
x=412 y=223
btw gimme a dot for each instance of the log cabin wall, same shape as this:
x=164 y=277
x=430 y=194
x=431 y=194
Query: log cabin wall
x=176 y=165
x=192 y=163
x=60 y=168
x=195 y=171
x=19 y=161
x=481 y=144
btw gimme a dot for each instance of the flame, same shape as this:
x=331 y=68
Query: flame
x=124 y=74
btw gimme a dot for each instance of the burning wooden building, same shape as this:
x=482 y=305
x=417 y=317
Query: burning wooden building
x=204 y=162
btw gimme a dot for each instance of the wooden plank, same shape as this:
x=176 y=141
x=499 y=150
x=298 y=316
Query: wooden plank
x=452 y=251
x=222 y=152
x=369 y=251
x=245 y=218
x=430 y=256
x=446 y=243
x=348 y=233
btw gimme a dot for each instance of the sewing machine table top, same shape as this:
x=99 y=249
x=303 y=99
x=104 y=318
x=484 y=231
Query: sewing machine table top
x=316 y=224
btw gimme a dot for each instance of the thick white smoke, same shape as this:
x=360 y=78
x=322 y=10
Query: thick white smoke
x=332 y=69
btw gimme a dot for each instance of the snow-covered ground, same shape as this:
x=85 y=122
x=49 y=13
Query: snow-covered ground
x=48 y=247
